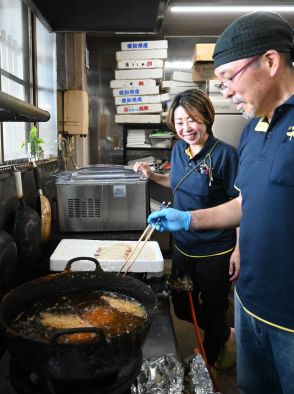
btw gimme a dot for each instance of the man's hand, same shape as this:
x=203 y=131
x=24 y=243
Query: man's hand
x=170 y=219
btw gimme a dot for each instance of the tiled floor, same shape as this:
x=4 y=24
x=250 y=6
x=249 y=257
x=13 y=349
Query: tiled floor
x=187 y=342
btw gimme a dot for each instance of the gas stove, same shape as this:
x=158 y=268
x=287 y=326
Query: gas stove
x=119 y=382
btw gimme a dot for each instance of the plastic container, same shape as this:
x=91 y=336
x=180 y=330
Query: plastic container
x=163 y=140
x=150 y=260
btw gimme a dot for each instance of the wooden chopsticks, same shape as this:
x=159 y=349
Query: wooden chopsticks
x=147 y=233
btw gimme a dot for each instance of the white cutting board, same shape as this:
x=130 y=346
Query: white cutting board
x=149 y=260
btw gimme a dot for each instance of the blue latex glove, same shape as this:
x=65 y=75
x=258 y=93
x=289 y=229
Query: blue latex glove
x=170 y=219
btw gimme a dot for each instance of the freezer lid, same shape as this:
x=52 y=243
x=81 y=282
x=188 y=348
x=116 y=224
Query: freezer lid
x=101 y=173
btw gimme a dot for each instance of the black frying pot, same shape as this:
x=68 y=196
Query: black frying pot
x=8 y=260
x=56 y=360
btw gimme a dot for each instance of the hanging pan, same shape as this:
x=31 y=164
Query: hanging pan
x=26 y=232
x=44 y=207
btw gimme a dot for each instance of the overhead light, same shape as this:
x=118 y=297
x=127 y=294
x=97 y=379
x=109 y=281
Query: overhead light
x=134 y=33
x=223 y=8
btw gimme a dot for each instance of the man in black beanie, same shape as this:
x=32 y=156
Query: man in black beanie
x=253 y=61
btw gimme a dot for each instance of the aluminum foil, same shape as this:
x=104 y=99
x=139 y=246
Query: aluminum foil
x=163 y=375
x=200 y=379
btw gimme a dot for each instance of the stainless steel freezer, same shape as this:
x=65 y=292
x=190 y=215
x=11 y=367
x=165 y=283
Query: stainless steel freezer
x=102 y=198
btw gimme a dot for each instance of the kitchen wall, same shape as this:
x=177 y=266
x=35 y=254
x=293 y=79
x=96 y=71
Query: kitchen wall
x=102 y=64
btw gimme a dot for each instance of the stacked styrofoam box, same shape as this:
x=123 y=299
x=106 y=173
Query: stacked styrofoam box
x=220 y=103
x=137 y=77
x=179 y=82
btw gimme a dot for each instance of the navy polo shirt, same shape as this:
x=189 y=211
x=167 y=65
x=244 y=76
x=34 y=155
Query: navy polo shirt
x=266 y=181
x=210 y=183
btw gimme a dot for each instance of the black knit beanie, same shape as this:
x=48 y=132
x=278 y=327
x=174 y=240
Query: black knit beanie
x=253 y=34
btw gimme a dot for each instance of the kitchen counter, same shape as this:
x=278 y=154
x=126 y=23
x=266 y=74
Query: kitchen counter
x=161 y=340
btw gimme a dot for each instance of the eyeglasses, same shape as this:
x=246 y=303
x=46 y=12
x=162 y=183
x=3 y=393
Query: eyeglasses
x=227 y=83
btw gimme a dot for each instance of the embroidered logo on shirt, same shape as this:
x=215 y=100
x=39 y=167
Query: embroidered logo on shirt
x=290 y=133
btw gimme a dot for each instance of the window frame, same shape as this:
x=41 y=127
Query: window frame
x=29 y=82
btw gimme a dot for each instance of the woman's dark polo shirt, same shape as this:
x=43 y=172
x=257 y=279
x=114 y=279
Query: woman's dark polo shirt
x=199 y=190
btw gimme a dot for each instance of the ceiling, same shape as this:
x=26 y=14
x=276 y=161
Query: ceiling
x=212 y=24
x=109 y=17
x=105 y=17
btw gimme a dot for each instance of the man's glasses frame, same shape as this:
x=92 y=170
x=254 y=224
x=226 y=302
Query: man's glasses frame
x=225 y=84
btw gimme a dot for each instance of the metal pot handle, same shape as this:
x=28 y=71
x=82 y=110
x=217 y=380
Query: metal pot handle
x=69 y=263
x=69 y=331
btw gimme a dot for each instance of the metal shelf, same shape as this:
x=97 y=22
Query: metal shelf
x=141 y=126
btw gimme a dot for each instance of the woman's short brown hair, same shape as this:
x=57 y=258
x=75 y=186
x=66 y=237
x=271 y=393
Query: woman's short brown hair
x=194 y=102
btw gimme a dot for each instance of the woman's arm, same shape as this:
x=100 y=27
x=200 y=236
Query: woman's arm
x=161 y=179
x=234 y=270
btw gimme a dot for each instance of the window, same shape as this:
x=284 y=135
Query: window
x=46 y=81
x=17 y=57
x=14 y=61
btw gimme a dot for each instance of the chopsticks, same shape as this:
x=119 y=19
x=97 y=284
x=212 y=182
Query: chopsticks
x=147 y=233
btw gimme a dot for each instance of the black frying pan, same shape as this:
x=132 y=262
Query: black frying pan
x=26 y=232
x=75 y=361
x=8 y=259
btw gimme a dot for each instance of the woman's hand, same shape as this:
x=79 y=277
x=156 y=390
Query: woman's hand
x=144 y=168
x=234 y=269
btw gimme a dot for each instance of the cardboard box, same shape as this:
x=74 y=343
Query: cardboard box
x=153 y=73
x=203 y=53
x=202 y=67
x=140 y=91
x=148 y=63
x=141 y=108
x=134 y=45
x=142 y=54
x=138 y=118
x=125 y=83
x=203 y=71
x=148 y=99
